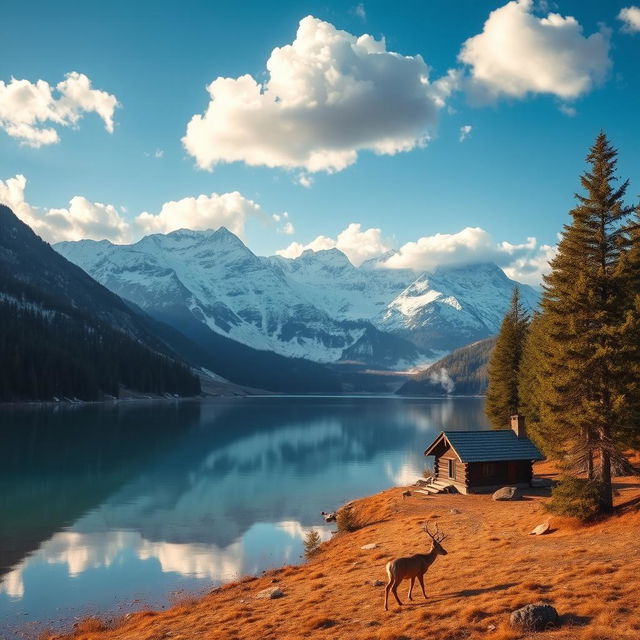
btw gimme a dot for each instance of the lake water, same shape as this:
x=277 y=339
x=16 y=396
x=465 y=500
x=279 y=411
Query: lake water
x=112 y=508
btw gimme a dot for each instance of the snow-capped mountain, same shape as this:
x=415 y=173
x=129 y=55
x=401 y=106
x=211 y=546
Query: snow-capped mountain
x=343 y=291
x=453 y=306
x=318 y=306
x=214 y=277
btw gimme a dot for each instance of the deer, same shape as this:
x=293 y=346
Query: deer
x=412 y=567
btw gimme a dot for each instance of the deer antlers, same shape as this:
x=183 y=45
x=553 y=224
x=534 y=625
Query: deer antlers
x=437 y=535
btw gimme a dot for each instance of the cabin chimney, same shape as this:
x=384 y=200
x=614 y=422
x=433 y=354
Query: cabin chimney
x=517 y=424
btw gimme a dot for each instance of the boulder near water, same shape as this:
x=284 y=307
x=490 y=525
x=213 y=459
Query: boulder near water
x=535 y=617
x=270 y=593
x=506 y=494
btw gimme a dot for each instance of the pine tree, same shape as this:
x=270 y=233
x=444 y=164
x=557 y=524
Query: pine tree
x=531 y=381
x=629 y=271
x=503 y=397
x=585 y=379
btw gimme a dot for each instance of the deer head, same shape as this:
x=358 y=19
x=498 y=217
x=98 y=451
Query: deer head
x=436 y=538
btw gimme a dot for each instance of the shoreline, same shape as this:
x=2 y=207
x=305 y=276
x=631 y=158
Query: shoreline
x=253 y=393
x=339 y=591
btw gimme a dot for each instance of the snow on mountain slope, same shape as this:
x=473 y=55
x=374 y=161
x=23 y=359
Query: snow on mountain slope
x=213 y=276
x=333 y=284
x=317 y=306
x=453 y=306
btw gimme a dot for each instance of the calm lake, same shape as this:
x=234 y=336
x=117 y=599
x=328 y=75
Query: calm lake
x=113 y=508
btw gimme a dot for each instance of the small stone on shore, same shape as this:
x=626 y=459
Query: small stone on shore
x=270 y=593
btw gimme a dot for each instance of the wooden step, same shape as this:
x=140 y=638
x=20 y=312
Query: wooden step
x=428 y=491
x=431 y=490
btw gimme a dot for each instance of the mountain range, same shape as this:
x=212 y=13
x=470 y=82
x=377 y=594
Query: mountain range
x=89 y=318
x=318 y=307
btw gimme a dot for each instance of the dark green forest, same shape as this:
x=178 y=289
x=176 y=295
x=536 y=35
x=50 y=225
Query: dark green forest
x=466 y=366
x=50 y=350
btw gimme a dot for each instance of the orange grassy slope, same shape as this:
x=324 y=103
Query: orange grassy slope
x=591 y=574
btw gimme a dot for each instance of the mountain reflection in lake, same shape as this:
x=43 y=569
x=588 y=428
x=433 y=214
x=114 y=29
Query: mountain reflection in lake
x=117 y=506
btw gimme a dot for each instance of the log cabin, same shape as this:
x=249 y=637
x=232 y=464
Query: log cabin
x=481 y=461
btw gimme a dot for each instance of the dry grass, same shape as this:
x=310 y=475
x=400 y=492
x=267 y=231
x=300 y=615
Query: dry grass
x=590 y=573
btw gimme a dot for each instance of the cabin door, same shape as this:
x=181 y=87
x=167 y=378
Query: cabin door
x=512 y=472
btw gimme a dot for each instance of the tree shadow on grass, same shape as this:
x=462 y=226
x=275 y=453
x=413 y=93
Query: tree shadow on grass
x=629 y=505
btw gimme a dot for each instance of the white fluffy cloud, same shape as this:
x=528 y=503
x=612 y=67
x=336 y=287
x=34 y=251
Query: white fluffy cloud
x=97 y=221
x=356 y=244
x=327 y=96
x=525 y=262
x=81 y=219
x=230 y=210
x=29 y=110
x=518 y=53
x=630 y=16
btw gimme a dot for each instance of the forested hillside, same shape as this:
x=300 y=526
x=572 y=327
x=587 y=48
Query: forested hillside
x=463 y=372
x=50 y=350
x=63 y=335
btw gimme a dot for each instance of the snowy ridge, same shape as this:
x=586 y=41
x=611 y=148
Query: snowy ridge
x=453 y=306
x=317 y=306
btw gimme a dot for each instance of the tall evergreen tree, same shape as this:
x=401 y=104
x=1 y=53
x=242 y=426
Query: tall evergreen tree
x=629 y=271
x=585 y=379
x=503 y=397
x=531 y=381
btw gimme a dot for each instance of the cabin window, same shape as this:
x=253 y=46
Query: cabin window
x=488 y=469
x=452 y=468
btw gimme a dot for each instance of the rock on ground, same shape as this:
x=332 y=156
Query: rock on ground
x=368 y=547
x=507 y=493
x=271 y=593
x=535 y=617
x=540 y=530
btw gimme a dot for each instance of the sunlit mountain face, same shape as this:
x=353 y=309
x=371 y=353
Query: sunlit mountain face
x=318 y=306
x=147 y=501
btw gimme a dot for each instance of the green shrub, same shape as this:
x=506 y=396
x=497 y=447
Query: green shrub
x=347 y=520
x=311 y=543
x=576 y=498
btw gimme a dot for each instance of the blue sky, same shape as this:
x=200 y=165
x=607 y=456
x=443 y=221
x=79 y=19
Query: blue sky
x=513 y=176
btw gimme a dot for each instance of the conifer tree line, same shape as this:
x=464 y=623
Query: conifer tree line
x=49 y=350
x=503 y=392
x=574 y=369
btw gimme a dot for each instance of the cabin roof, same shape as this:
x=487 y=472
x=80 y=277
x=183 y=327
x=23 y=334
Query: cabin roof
x=486 y=446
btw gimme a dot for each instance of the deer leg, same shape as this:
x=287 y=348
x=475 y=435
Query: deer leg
x=421 y=581
x=386 y=595
x=394 y=590
x=411 y=587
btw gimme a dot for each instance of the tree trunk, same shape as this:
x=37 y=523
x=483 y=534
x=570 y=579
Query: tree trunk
x=586 y=434
x=606 y=488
